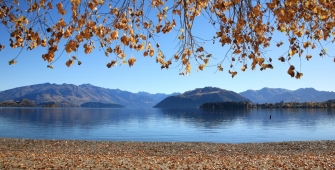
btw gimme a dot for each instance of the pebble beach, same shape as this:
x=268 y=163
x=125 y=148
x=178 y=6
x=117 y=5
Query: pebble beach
x=75 y=154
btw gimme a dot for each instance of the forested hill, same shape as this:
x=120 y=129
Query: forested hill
x=196 y=97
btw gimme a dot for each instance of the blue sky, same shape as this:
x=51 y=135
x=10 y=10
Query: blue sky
x=146 y=74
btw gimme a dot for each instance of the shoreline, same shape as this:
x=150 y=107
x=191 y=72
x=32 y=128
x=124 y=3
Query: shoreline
x=74 y=154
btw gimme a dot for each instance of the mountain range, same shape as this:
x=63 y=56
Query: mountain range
x=69 y=95
x=77 y=95
x=199 y=96
x=274 y=95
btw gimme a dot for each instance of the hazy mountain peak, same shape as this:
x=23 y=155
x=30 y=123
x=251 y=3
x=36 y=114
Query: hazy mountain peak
x=273 y=95
x=46 y=92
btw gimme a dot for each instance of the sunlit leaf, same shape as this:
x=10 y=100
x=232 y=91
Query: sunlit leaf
x=245 y=29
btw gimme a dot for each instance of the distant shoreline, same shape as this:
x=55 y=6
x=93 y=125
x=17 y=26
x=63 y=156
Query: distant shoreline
x=74 y=154
x=29 y=103
x=242 y=105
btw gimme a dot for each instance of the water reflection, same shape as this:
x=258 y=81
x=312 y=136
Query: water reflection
x=70 y=117
x=211 y=125
x=206 y=118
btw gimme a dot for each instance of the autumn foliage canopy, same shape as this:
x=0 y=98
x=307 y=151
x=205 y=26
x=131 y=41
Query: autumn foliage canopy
x=115 y=27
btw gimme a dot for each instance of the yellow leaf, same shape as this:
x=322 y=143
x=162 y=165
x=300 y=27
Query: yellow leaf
x=325 y=50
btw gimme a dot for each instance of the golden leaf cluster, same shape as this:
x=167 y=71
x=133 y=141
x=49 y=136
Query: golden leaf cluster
x=116 y=28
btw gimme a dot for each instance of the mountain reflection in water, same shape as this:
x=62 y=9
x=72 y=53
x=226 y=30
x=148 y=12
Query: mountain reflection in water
x=208 y=125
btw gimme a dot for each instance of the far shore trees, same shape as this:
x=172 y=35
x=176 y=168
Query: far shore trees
x=118 y=26
x=244 y=105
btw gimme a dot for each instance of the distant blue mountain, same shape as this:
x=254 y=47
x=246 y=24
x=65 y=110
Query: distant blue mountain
x=73 y=95
x=158 y=96
x=44 y=93
x=274 y=95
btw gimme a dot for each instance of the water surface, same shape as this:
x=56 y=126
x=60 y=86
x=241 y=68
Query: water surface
x=191 y=125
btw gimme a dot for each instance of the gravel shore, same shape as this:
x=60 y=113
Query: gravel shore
x=73 y=154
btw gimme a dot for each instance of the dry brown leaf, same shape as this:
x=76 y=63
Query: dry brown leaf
x=152 y=52
x=233 y=73
x=145 y=53
x=290 y=71
x=131 y=61
x=282 y=59
x=12 y=62
x=60 y=8
x=219 y=67
x=201 y=67
x=299 y=75
x=69 y=63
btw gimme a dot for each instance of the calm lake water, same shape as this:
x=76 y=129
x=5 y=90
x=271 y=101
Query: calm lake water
x=192 y=125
